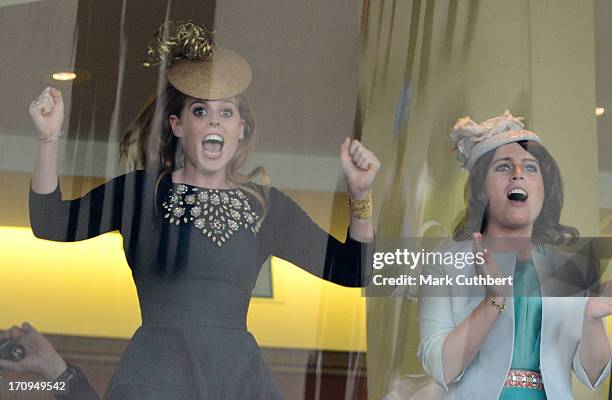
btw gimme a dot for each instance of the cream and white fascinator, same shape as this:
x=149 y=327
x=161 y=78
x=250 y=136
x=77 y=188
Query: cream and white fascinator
x=473 y=140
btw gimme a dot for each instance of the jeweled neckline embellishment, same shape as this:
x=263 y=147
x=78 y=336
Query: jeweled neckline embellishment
x=217 y=213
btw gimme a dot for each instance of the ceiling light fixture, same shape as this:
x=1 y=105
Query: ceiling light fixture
x=64 y=76
x=599 y=111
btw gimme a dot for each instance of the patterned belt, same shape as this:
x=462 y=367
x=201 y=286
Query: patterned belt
x=524 y=379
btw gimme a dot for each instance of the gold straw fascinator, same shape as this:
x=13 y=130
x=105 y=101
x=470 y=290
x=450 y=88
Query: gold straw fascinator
x=194 y=65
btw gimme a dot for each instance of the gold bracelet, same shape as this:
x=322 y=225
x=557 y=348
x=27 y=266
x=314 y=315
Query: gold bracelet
x=500 y=307
x=54 y=137
x=361 y=209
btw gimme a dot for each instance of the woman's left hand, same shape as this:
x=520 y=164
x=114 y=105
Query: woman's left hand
x=600 y=307
x=360 y=166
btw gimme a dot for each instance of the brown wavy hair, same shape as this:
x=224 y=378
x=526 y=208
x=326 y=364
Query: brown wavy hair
x=546 y=228
x=150 y=143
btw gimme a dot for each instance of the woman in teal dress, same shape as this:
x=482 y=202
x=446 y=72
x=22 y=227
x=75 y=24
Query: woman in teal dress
x=527 y=333
x=516 y=341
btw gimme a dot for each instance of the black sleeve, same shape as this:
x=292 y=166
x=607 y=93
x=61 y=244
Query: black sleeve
x=98 y=212
x=293 y=236
x=77 y=386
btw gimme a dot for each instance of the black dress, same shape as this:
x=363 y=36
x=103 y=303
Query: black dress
x=195 y=255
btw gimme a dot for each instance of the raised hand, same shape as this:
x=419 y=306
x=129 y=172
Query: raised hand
x=47 y=112
x=489 y=267
x=359 y=166
x=600 y=306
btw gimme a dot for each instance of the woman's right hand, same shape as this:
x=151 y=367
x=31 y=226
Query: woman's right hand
x=47 y=112
x=488 y=268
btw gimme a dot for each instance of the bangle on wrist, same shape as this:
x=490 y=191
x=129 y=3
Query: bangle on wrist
x=361 y=209
x=499 y=304
x=69 y=374
x=54 y=137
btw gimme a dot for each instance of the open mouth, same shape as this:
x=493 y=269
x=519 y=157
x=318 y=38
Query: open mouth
x=517 y=194
x=213 y=144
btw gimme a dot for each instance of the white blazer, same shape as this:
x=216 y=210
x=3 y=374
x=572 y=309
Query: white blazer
x=442 y=308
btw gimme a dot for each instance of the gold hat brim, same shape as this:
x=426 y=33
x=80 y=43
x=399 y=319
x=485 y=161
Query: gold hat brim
x=225 y=75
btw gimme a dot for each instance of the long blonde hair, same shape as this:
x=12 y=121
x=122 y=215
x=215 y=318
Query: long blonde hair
x=150 y=143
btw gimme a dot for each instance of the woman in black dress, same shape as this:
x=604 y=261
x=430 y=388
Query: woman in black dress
x=195 y=230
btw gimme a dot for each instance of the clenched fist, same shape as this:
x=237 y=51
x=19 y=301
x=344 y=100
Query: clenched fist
x=359 y=166
x=47 y=112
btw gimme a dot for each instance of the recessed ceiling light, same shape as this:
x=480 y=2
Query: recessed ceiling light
x=64 y=76
x=599 y=111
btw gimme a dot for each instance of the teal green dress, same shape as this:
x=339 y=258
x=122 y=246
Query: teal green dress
x=527 y=330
